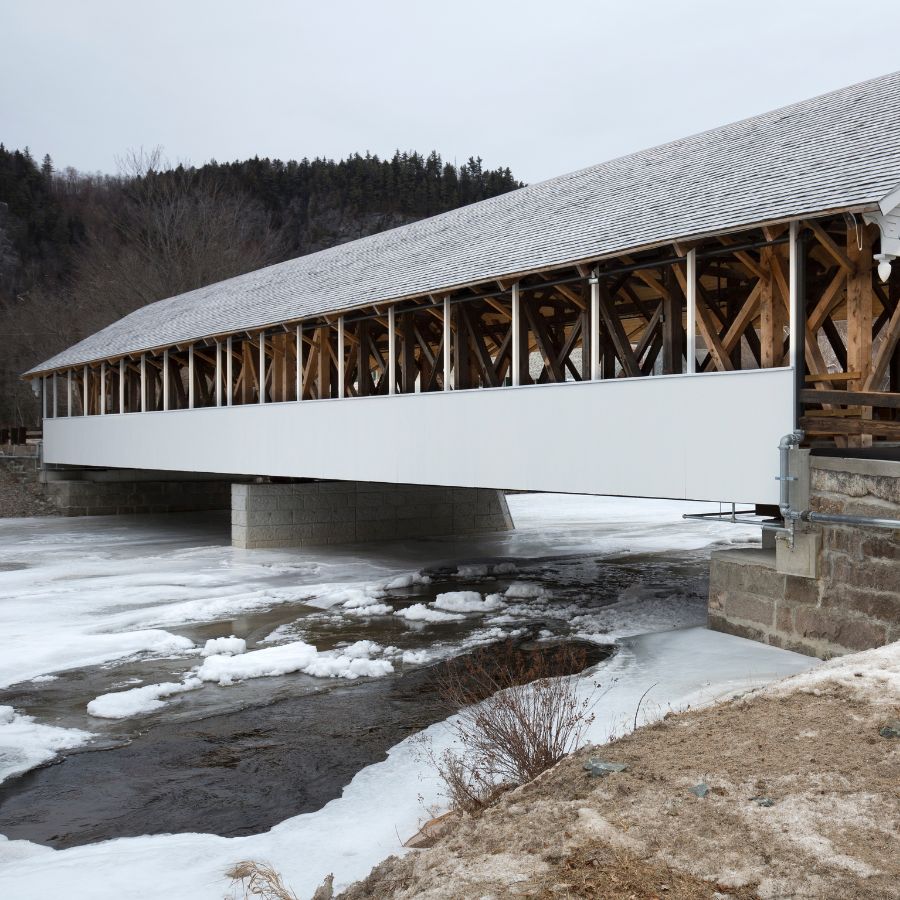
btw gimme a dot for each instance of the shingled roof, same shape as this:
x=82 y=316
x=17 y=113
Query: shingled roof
x=840 y=150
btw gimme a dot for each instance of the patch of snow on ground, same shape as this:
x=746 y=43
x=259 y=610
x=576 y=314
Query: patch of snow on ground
x=873 y=675
x=25 y=743
x=138 y=701
x=466 y=602
x=385 y=802
x=224 y=645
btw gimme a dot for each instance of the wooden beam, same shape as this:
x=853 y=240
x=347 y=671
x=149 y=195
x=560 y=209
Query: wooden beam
x=824 y=238
x=859 y=428
x=617 y=334
x=832 y=376
x=885 y=353
x=829 y=299
x=877 y=399
x=707 y=327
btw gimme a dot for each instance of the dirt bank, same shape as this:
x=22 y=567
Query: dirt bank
x=803 y=801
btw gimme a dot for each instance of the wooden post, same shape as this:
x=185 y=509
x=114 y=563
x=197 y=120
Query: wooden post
x=165 y=379
x=461 y=362
x=323 y=359
x=691 y=312
x=673 y=328
x=341 y=367
x=392 y=350
x=229 y=371
x=771 y=330
x=408 y=371
x=447 y=333
x=859 y=317
x=796 y=323
x=69 y=393
x=103 y=388
x=262 y=367
x=218 y=373
x=595 y=325
x=191 y=376
x=516 y=336
x=363 y=380
x=143 y=382
x=298 y=375
x=859 y=307
x=55 y=395
x=85 y=398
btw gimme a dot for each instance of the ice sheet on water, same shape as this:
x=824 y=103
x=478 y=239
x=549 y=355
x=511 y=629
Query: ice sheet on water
x=384 y=803
x=25 y=743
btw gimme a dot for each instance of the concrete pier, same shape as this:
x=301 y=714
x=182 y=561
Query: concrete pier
x=838 y=589
x=338 y=512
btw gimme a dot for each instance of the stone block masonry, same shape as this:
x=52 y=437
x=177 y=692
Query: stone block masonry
x=343 y=512
x=109 y=498
x=852 y=600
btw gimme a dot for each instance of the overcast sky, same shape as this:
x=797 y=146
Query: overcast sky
x=543 y=87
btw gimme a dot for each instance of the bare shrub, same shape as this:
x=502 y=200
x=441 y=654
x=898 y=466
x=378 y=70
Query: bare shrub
x=519 y=716
x=259 y=880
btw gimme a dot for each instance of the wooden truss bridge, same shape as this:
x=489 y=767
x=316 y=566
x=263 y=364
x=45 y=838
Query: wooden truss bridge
x=744 y=331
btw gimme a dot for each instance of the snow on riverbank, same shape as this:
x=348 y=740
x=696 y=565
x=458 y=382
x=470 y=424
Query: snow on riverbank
x=386 y=802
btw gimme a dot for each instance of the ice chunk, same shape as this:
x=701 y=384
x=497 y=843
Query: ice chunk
x=225 y=645
x=522 y=590
x=405 y=581
x=374 y=609
x=138 y=701
x=419 y=612
x=472 y=571
x=297 y=656
x=466 y=602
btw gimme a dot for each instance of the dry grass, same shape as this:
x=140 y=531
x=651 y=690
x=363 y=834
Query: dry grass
x=257 y=879
x=831 y=830
x=518 y=718
x=596 y=872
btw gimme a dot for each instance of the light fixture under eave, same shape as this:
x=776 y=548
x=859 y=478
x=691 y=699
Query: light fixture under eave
x=884 y=265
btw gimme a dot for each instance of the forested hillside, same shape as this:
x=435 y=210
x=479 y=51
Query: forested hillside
x=78 y=251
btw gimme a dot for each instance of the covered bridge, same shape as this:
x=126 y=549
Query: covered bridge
x=649 y=326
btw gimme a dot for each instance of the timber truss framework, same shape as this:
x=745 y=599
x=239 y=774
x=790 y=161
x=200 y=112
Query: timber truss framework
x=717 y=305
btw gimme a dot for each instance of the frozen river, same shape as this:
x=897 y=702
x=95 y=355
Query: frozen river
x=190 y=665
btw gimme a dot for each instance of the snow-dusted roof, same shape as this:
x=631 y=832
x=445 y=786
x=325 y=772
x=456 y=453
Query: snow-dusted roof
x=835 y=151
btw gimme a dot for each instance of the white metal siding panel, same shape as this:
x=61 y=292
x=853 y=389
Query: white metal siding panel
x=700 y=437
